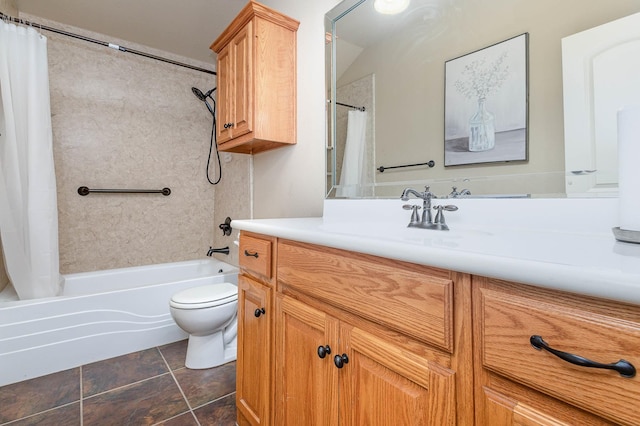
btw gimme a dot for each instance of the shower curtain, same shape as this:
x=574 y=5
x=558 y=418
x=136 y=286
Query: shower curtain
x=28 y=203
x=354 y=173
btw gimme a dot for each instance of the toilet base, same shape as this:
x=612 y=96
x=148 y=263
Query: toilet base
x=209 y=351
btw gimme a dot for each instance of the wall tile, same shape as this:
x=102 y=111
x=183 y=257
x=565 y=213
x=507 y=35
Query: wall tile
x=123 y=121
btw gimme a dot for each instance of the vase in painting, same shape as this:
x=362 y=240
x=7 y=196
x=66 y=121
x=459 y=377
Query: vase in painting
x=482 y=134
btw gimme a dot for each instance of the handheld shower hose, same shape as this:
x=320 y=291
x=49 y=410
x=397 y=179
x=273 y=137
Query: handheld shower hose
x=203 y=97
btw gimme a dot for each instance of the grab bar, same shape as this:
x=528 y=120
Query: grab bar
x=83 y=190
x=430 y=163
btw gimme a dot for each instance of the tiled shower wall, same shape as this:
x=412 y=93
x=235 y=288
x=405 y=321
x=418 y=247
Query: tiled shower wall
x=124 y=121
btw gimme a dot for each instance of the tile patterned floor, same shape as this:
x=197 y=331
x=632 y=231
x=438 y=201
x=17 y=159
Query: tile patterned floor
x=150 y=387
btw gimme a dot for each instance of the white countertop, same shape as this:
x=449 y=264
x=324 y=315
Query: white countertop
x=562 y=244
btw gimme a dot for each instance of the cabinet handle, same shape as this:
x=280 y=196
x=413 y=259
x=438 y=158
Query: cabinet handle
x=341 y=360
x=228 y=125
x=246 y=253
x=258 y=312
x=323 y=351
x=625 y=368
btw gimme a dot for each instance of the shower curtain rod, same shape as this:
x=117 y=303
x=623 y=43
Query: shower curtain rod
x=349 y=106
x=103 y=43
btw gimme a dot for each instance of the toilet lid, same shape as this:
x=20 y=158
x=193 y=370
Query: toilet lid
x=205 y=296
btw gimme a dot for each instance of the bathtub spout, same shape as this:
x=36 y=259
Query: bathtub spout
x=223 y=250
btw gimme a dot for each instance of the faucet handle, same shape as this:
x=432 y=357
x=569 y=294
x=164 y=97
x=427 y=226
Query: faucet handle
x=414 y=212
x=439 y=220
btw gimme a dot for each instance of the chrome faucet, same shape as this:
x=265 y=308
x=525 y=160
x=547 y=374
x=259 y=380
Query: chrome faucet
x=455 y=194
x=426 y=197
x=426 y=221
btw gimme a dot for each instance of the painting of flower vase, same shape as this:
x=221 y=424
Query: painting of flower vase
x=486 y=108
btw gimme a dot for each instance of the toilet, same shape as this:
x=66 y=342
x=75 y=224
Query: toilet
x=209 y=314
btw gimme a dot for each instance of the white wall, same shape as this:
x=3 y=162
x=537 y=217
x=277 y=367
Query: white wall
x=289 y=182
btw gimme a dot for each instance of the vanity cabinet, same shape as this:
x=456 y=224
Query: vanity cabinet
x=330 y=372
x=519 y=385
x=353 y=339
x=364 y=340
x=254 y=366
x=256 y=80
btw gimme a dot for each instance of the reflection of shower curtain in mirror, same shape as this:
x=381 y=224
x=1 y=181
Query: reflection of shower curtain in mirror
x=353 y=174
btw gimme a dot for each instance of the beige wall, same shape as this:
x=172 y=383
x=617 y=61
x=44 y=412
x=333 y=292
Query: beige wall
x=123 y=121
x=8 y=7
x=410 y=89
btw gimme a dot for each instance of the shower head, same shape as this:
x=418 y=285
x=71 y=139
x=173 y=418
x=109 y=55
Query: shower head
x=200 y=95
x=203 y=97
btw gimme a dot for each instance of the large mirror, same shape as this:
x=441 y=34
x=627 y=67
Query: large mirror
x=386 y=79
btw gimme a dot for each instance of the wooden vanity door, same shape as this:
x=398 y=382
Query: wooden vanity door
x=253 y=380
x=383 y=385
x=306 y=384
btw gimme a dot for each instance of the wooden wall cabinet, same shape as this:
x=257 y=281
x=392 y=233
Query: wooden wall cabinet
x=256 y=80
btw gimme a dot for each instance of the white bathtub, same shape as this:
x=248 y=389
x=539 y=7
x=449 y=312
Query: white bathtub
x=100 y=315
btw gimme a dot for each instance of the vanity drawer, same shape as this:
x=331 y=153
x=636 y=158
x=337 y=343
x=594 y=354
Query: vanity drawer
x=596 y=330
x=256 y=254
x=414 y=300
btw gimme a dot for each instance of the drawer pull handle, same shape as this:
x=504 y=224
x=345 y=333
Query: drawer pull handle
x=323 y=351
x=246 y=253
x=258 y=312
x=340 y=360
x=625 y=368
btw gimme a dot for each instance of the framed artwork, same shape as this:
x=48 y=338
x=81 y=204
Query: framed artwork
x=486 y=104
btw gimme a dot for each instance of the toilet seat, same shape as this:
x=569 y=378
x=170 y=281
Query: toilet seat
x=205 y=296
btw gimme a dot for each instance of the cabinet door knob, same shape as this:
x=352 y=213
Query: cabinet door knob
x=323 y=351
x=258 y=312
x=340 y=360
x=625 y=368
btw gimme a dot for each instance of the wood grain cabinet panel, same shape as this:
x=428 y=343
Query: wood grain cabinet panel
x=409 y=298
x=257 y=79
x=254 y=364
x=390 y=328
x=385 y=385
x=306 y=384
x=354 y=339
x=597 y=330
x=360 y=379
x=256 y=255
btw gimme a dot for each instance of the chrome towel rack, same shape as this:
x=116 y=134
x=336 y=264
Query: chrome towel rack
x=83 y=190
